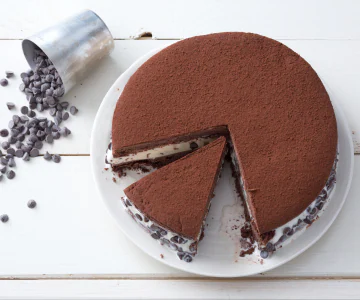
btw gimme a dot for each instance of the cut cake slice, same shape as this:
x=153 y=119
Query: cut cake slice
x=172 y=202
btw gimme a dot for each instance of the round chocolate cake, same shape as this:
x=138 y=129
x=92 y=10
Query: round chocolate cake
x=266 y=99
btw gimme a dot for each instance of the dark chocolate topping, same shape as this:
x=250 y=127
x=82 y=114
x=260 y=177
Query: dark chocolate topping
x=278 y=113
x=177 y=195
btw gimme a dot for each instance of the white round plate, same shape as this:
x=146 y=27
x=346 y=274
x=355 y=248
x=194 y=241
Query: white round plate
x=218 y=253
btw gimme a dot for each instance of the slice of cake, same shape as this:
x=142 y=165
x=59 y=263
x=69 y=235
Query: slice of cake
x=172 y=202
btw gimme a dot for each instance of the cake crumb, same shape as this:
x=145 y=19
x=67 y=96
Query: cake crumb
x=162 y=255
x=114 y=179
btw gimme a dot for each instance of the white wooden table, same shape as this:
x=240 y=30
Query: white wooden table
x=71 y=246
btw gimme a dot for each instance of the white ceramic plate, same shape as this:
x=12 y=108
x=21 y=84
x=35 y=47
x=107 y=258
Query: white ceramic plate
x=218 y=253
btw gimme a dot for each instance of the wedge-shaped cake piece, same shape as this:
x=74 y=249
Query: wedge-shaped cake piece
x=172 y=202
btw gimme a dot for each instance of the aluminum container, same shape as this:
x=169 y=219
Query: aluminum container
x=74 y=46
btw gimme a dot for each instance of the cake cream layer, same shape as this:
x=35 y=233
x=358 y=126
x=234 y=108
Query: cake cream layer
x=186 y=248
x=291 y=230
x=158 y=152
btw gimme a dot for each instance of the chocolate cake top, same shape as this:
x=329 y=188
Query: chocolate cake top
x=277 y=111
x=177 y=195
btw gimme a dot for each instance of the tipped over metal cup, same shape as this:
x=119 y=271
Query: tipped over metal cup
x=74 y=46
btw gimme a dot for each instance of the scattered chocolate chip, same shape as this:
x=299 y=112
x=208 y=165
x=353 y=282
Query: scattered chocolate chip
x=193 y=145
x=24 y=110
x=4 y=82
x=47 y=156
x=34 y=152
x=9 y=74
x=5 y=145
x=19 y=153
x=73 y=110
x=12 y=163
x=56 y=158
x=4 y=218
x=10 y=174
x=65 y=116
x=10 y=105
x=3 y=161
x=38 y=145
x=26 y=156
x=4 y=132
x=31 y=204
x=3 y=169
x=49 y=139
x=31 y=114
x=11 y=151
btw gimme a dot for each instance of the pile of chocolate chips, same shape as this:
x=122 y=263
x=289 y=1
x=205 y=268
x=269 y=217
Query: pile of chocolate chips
x=27 y=133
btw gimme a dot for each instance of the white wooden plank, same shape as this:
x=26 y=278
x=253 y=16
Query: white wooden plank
x=180 y=289
x=70 y=234
x=337 y=62
x=168 y=19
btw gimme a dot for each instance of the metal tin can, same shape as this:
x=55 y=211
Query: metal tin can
x=74 y=46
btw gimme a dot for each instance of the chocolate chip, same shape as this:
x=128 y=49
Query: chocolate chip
x=3 y=169
x=31 y=204
x=146 y=219
x=26 y=156
x=34 y=152
x=180 y=254
x=16 y=119
x=5 y=145
x=19 y=153
x=40 y=107
x=12 y=140
x=270 y=247
x=264 y=254
x=10 y=174
x=57 y=120
x=9 y=74
x=4 y=132
x=73 y=110
x=56 y=135
x=64 y=104
x=127 y=202
x=187 y=258
x=139 y=217
x=155 y=235
x=4 y=82
x=24 y=110
x=178 y=239
x=320 y=206
x=47 y=156
x=3 y=161
x=4 y=218
x=22 y=87
x=49 y=78
x=31 y=114
x=307 y=221
x=11 y=151
x=10 y=105
x=65 y=116
x=286 y=230
x=38 y=145
x=12 y=163
x=49 y=139
x=56 y=158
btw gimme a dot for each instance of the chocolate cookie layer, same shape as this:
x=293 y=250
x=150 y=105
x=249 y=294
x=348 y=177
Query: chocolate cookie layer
x=273 y=104
x=177 y=195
